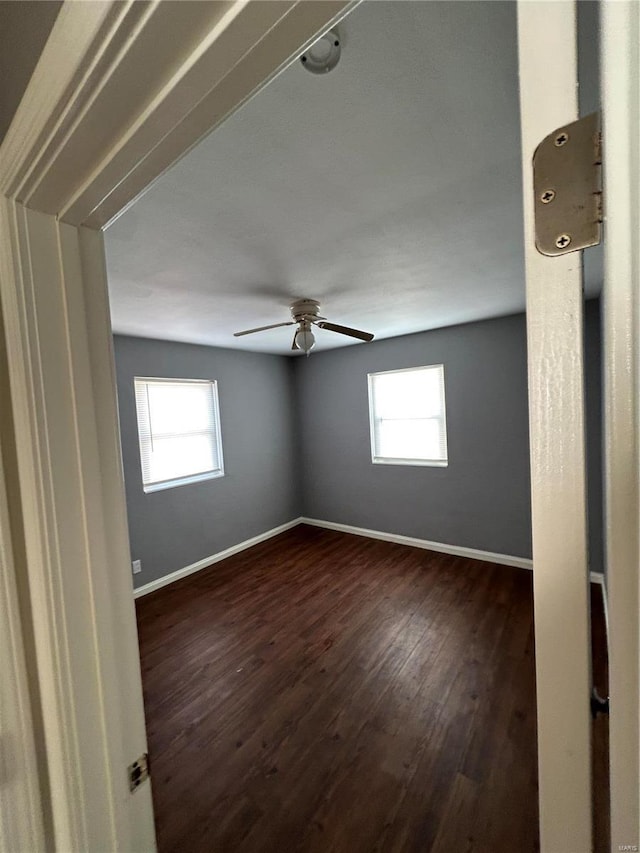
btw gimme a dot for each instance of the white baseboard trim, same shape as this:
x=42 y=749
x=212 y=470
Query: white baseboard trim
x=214 y=558
x=440 y=547
x=426 y=544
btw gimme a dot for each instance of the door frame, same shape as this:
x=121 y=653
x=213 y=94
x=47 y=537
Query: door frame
x=77 y=154
x=620 y=71
x=120 y=92
x=555 y=359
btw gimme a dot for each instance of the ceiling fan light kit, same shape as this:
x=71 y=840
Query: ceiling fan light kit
x=305 y=313
x=304 y=339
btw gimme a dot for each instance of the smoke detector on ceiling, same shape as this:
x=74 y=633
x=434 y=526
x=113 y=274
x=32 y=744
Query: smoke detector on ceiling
x=323 y=55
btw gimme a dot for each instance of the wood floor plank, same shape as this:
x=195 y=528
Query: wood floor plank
x=323 y=692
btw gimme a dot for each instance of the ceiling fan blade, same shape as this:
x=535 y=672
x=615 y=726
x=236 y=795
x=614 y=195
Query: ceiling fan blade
x=345 y=330
x=294 y=345
x=263 y=328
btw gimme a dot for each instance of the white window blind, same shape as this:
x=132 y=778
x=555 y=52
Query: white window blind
x=407 y=414
x=179 y=431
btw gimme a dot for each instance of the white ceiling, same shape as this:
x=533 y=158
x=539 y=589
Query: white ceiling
x=388 y=189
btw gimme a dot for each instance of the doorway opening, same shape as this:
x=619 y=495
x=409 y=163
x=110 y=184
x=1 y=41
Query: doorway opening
x=388 y=190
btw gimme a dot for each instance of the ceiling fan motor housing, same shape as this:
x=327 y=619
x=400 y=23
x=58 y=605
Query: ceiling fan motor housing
x=302 y=308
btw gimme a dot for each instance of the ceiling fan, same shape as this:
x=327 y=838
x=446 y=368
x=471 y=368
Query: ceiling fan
x=305 y=313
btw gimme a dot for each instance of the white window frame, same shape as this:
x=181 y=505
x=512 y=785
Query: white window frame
x=216 y=437
x=386 y=460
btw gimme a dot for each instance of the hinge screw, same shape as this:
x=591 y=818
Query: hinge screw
x=561 y=139
x=547 y=196
x=563 y=241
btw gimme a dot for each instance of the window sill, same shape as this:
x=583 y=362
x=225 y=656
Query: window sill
x=182 y=481
x=420 y=463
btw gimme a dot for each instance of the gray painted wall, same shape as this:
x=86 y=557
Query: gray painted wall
x=296 y=442
x=593 y=259
x=24 y=29
x=481 y=500
x=593 y=404
x=175 y=527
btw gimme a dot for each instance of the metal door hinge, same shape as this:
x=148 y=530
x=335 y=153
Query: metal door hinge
x=567 y=185
x=138 y=772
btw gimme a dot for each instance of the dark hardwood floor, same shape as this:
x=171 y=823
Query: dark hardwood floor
x=325 y=692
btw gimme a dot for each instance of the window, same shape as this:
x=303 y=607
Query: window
x=179 y=430
x=407 y=412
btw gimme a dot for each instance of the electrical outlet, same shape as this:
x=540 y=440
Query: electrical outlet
x=136 y=566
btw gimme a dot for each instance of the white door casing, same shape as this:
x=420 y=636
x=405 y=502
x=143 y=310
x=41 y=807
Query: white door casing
x=82 y=146
x=21 y=823
x=620 y=68
x=548 y=100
